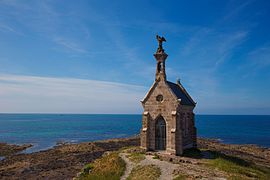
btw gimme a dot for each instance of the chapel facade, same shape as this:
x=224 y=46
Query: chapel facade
x=168 y=119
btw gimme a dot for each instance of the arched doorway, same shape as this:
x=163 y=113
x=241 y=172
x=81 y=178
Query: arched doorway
x=160 y=135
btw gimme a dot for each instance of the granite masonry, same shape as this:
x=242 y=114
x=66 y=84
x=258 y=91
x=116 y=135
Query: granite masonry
x=168 y=119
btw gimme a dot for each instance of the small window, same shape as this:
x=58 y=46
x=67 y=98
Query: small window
x=159 y=98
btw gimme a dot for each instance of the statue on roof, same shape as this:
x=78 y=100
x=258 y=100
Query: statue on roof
x=160 y=41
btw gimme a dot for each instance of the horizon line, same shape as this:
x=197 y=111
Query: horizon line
x=36 y=113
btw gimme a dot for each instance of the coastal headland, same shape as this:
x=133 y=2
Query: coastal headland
x=65 y=161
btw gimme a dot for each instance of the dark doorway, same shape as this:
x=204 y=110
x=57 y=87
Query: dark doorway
x=160 y=137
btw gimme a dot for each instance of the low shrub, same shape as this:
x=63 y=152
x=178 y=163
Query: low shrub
x=109 y=167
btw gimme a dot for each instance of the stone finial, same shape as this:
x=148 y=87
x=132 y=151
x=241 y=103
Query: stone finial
x=160 y=40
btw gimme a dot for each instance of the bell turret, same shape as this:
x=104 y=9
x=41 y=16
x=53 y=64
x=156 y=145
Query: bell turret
x=160 y=56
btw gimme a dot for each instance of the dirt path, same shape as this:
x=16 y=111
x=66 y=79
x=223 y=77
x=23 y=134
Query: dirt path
x=166 y=168
x=129 y=165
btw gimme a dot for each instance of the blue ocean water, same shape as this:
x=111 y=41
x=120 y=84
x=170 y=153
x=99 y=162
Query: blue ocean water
x=45 y=130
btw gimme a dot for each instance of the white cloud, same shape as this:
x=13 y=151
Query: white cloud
x=235 y=10
x=260 y=57
x=67 y=95
x=69 y=45
x=210 y=48
x=6 y=28
x=255 y=61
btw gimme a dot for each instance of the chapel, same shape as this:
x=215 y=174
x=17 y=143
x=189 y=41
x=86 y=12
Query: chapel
x=168 y=122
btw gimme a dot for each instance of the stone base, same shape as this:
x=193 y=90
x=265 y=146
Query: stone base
x=171 y=151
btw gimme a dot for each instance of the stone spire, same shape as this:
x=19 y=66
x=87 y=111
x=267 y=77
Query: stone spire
x=160 y=56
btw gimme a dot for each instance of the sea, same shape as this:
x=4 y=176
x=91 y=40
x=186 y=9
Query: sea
x=46 y=130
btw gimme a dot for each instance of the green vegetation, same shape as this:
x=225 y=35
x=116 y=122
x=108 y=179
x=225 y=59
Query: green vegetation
x=112 y=167
x=127 y=148
x=109 y=167
x=132 y=149
x=238 y=168
x=136 y=157
x=87 y=168
x=149 y=172
x=180 y=177
x=155 y=156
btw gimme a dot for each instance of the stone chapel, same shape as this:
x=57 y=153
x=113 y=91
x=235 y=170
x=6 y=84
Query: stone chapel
x=168 y=118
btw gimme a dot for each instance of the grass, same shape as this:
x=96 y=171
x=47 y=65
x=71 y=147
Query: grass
x=149 y=172
x=123 y=149
x=136 y=157
x=109 y=167
x=155 y=156
x=238 y=168
x=180 y=177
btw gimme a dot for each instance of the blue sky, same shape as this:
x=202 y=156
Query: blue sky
x=89 y=56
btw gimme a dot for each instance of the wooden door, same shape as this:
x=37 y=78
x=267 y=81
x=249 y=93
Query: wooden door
x=160 y=134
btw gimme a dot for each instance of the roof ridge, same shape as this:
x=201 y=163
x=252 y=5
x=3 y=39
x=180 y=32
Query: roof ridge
x=186 y=93
x=149 y=92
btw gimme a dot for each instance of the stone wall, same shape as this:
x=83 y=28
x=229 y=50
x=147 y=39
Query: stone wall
x=187 y=126
x=179 y=120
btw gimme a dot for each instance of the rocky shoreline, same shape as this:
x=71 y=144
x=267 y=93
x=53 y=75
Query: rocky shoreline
x=248 y=152
x=60 y=162
x=66 y=160
x=11 y=149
